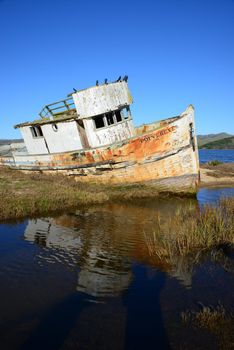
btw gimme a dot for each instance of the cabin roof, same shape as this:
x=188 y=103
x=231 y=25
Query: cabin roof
x=97 y=86
x=57 y=118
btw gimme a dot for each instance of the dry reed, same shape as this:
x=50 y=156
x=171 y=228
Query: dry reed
x=216 y=319
x=192 y=229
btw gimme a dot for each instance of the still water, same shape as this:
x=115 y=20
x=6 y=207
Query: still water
x=86 y=280
x=222 y=155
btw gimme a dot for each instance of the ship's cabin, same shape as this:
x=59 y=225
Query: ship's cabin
x=90 y=118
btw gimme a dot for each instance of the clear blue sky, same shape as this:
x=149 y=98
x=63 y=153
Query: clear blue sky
x=175 y=52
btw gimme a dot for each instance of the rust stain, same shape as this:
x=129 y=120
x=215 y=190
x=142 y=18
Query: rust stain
x=140 y=159
x=137 y=150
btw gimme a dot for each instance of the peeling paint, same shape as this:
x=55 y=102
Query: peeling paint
x=162 y=157
x=100 y=143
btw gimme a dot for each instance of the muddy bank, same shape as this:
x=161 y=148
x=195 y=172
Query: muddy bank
x=217 y=175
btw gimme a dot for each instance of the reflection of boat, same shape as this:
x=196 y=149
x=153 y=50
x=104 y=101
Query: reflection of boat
x=102 y=242
x=101 y=271
x=96 y=241
x=46 y=233
x=103 y=277
x=91 y=136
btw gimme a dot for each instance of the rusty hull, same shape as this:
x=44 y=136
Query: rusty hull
x=165 y=157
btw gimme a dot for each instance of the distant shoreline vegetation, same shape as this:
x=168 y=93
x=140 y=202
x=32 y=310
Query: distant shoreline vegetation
x=216 y=141
x=226 y=143
x=9 y=141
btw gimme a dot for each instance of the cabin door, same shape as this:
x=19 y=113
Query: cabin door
x=82 y=132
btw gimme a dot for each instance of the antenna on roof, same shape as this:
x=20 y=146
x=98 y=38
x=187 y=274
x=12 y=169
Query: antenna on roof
x=106 y=81
x=97 y=83
x=119 y=79
x=125 y=78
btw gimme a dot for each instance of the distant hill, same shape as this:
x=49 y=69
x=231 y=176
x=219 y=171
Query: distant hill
x=204 y=139
x=226 y=143
x=8 y=142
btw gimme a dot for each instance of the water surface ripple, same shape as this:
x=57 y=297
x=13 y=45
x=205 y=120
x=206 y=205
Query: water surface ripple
x=86 y=280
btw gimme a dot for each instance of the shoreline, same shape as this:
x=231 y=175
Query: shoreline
x=27 y=195
x=220 y=175
x=31 y=195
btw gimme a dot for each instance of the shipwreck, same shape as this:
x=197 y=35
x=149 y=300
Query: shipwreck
x=90 y=135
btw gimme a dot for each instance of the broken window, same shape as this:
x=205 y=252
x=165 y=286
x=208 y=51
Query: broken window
x=118 y=116
x=110 y=118
x=99 y=122
x=125 y=112
x=36 y=131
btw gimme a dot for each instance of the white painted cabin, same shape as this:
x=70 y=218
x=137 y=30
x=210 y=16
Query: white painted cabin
x=94 y=117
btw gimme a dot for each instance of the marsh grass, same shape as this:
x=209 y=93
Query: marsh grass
x=207 y=316
x=32 y=194
x=216 y=319
x=192 y=229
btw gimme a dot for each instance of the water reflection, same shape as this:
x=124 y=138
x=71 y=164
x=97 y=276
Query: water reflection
x=86 y=280
x=104 y=241
x=103 y=271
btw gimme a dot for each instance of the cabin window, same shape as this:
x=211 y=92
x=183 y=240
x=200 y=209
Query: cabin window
x=55 y=127
x=110 y=118
x=36 y=131
x=118 y=116
x=99 y=122
x=125 y=113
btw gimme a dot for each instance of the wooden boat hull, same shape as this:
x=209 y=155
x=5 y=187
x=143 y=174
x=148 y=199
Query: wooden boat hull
x=163 y=155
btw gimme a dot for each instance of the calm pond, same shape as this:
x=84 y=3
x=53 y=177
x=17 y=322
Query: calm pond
x=86 y=280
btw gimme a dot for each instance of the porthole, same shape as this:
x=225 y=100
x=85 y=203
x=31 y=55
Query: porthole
x=55 y=127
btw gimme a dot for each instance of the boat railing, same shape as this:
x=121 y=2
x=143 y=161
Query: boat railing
x=56 y=108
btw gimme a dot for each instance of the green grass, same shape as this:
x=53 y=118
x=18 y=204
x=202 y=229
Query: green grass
x=214 y=162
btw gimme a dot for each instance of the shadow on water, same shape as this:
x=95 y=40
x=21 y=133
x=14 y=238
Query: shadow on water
x=86 y=280
x=144 y=324
x=56 y=324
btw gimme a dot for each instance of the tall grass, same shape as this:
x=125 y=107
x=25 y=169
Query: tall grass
x=216 y=319
x=207 y=316
x=192 y=229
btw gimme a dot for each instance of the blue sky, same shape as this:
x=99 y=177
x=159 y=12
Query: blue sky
x=175 y=52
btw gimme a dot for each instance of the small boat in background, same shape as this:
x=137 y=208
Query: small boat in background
x=91 y=136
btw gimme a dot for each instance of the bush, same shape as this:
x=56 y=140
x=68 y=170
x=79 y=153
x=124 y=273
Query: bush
x=214 y=162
